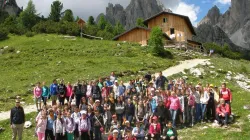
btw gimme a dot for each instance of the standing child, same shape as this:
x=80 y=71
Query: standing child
x=38 y=96
x=98 y=125
x=41 y=126
x=70 y=126
x=69 y=92
x=84 y=126
x=59 y=127
x=107 y=118
x=45 y=94
x=191 y=107
x=76 y=116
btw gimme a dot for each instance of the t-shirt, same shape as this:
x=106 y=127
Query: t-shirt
x=170 y=133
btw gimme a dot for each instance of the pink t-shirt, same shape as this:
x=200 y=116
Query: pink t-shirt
x=69 y=91
x=41 y=125
x=175 y=103
x=37 y=92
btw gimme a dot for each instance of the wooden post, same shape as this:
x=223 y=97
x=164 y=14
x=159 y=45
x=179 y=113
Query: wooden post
x=81 y=23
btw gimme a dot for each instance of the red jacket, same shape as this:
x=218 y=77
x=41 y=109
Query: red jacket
x=131 y=138
x=223 y=109
x=167 y=101
x=226 y=94
x=154 y=130
x=112 y=138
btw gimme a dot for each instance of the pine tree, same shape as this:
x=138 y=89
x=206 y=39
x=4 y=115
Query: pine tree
x=56 y=9
x=68 y=16
x=28 y=17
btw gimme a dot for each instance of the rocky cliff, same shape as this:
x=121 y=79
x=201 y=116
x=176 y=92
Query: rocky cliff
x=136 y=9
x=10 y=6
x=235 y=22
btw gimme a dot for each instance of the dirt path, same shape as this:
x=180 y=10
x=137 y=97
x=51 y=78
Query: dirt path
x=168 y=72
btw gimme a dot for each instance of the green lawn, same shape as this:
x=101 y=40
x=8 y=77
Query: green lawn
x=45 y=57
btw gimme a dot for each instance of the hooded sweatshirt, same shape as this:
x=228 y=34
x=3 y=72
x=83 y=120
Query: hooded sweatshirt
x=175 y=103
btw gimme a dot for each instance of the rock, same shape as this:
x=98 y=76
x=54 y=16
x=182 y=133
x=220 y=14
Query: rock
x=212 y=67
x=18 y=52
x=10 y=7
x=5 y=47
x=118 y=45
x=205 y=127
x=246 y=107
x=234 y=22
x=185 y=77
x=27 y=124
x=197 y=71
x=215 y=125
x=22 y=103
x=239 y=77
x=212 y=71
x=128 y=16
x=229 y=73
x=228 y=77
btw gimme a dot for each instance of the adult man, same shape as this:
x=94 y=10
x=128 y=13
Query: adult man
x=96 y=92
x=78 y=92
x=222 y=113
x=160 y=81
x=17 y=119
x=54 y=92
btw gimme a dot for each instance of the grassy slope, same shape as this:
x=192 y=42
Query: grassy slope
x=78 y=64
x=45 y=57
x=239 y=130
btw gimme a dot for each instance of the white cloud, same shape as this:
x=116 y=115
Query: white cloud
x=188 y=10
x=223 y=1
x=86 y=8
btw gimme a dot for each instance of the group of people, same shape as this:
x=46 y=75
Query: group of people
x=146 y=108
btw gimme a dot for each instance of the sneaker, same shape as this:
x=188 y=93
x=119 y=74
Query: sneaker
x=192 y=124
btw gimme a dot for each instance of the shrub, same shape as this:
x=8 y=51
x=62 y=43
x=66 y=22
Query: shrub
x=3 y=33
x=29 y=34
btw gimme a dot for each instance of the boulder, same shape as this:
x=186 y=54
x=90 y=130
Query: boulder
x=246 y=107
x=212 y=67
x=5 y=47
x=239 y=77
x=197 y=71
x=18 y=52
x=228 y=77
x=27 y=124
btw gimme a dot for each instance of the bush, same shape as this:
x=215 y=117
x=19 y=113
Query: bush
x=29 y=34
x=3 y=33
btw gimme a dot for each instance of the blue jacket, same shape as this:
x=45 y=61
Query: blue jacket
x=53 y=89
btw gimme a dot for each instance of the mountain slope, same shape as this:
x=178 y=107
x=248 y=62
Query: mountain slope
x=136 y=9
x=235 y=22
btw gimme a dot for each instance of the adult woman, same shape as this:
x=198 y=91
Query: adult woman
x=41 y=126
x=170 y=133
x=174 y=106
x=119 y=109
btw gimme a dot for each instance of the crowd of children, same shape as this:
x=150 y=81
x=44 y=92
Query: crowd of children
x=146 y=108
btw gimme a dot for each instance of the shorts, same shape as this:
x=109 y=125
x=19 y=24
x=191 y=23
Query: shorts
x=53 y=97
x=38 y=100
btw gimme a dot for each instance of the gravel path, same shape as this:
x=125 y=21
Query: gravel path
x=168 y=72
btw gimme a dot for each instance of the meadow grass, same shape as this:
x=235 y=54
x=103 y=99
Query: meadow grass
x=47 y=57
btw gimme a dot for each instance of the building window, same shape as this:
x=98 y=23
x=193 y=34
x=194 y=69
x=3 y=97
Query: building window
x=165 y=20
x=172 y=31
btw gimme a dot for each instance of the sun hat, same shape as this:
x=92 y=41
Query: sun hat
x=97 y=101
x=83 y=112
x=115 y=131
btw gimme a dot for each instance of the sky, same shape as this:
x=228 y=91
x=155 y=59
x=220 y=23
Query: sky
x=194 y=9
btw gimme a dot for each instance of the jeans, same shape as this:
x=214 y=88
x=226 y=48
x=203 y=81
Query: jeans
x=203 y=109
x=129 y=118
x=197 y=112
x=191 y=114
x=119 y=118
x=220 y=118
x=173 y=116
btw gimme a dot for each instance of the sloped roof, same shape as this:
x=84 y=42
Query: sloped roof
x=137 y=27
x=182 y=16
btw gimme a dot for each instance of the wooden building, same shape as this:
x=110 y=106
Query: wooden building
x=175 y=27
x=137 y=34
